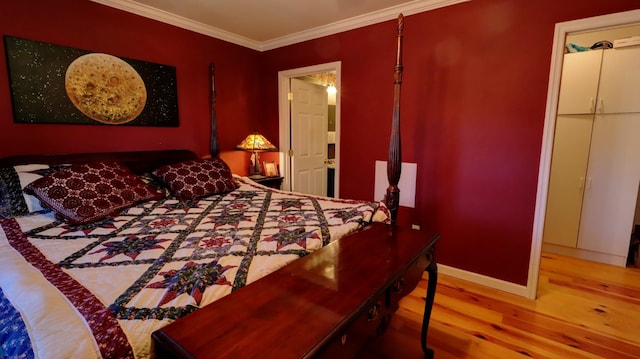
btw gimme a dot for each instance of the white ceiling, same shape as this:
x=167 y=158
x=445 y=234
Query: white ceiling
x=267 y=24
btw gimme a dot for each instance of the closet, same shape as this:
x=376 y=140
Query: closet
x=595 y=167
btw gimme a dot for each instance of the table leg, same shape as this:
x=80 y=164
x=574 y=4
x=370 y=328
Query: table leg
x=432 y=269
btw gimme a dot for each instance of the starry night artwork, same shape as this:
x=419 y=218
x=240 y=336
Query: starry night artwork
x=57 y=84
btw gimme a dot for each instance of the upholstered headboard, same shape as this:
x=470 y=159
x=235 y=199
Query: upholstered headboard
x=137 y=161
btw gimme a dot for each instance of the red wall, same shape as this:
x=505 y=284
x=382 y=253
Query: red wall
x=90 y=26
x=473 y=103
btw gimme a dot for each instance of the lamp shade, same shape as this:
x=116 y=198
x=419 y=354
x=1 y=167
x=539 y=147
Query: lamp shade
x=256 y=142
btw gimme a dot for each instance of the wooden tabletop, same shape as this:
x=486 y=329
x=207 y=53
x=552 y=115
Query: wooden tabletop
x=295 y=311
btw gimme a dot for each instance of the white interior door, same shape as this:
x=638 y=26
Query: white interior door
x=309 y=123
x=567 y=178
x=612 y=185
x=620 y=81
x=579 y=84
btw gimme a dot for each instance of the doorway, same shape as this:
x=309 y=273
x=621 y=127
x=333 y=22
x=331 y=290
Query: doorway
x=285 y=127
x=595 y=165
x=561 y=31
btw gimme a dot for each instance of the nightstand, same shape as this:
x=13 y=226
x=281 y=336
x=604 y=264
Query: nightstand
x=272 y=182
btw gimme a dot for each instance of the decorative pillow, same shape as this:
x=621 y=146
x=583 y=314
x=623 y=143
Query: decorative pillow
x=13 y=200
x=197 y=178
x=85 y=193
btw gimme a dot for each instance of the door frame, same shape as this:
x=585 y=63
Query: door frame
x=561 y=30
x=284 y=114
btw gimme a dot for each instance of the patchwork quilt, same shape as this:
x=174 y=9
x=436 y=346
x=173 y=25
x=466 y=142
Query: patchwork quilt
x=100 y=290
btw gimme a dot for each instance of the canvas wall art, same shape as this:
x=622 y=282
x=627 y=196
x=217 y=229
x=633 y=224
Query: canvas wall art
x=57 y=84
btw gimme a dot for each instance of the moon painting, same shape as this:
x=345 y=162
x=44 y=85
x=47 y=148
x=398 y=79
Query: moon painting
x=58 y=84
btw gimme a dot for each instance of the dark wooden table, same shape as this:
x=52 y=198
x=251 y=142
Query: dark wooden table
x=323 y=305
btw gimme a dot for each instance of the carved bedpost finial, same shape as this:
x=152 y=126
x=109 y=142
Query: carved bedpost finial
x=394 y=163
x=399 y=67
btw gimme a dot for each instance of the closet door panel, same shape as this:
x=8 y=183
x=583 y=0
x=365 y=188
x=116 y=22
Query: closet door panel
x=579 y=82
x=566 y=180
x=619 y=90
x=611 y=189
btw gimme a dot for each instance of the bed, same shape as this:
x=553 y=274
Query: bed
x=99 y=250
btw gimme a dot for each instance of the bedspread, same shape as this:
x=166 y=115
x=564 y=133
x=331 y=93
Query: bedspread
x=100 y=290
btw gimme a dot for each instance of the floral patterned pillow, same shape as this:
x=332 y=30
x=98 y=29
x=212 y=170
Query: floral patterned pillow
x=85 y=193
x=197 y=178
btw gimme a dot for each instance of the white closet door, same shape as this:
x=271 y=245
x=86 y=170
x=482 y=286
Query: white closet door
x=612 y=183
x=579 y=82
x=567 y=176
x=620 y=81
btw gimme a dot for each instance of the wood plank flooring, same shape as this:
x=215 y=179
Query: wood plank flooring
x=583 y=310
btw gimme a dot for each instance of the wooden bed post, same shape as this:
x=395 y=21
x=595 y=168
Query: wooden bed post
x=394 y=163
x=214 y=149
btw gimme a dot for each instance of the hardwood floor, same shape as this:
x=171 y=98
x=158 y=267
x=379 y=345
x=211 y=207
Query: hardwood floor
x=583 y=310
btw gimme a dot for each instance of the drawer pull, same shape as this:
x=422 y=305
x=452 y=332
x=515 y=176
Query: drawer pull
x=343 y=339
x=397 y=286
x=374 y=312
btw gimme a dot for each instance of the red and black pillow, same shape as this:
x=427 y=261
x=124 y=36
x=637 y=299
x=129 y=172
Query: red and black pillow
x=197 y=178
x=85 y=193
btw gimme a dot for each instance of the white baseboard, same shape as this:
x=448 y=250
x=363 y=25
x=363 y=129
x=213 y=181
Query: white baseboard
x=486 y=281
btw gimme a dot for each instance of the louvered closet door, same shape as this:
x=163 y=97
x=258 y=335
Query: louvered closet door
x=567 y=176
x=611 y=189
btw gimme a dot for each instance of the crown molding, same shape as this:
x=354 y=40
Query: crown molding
x=179 y=21
x=375 y=17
